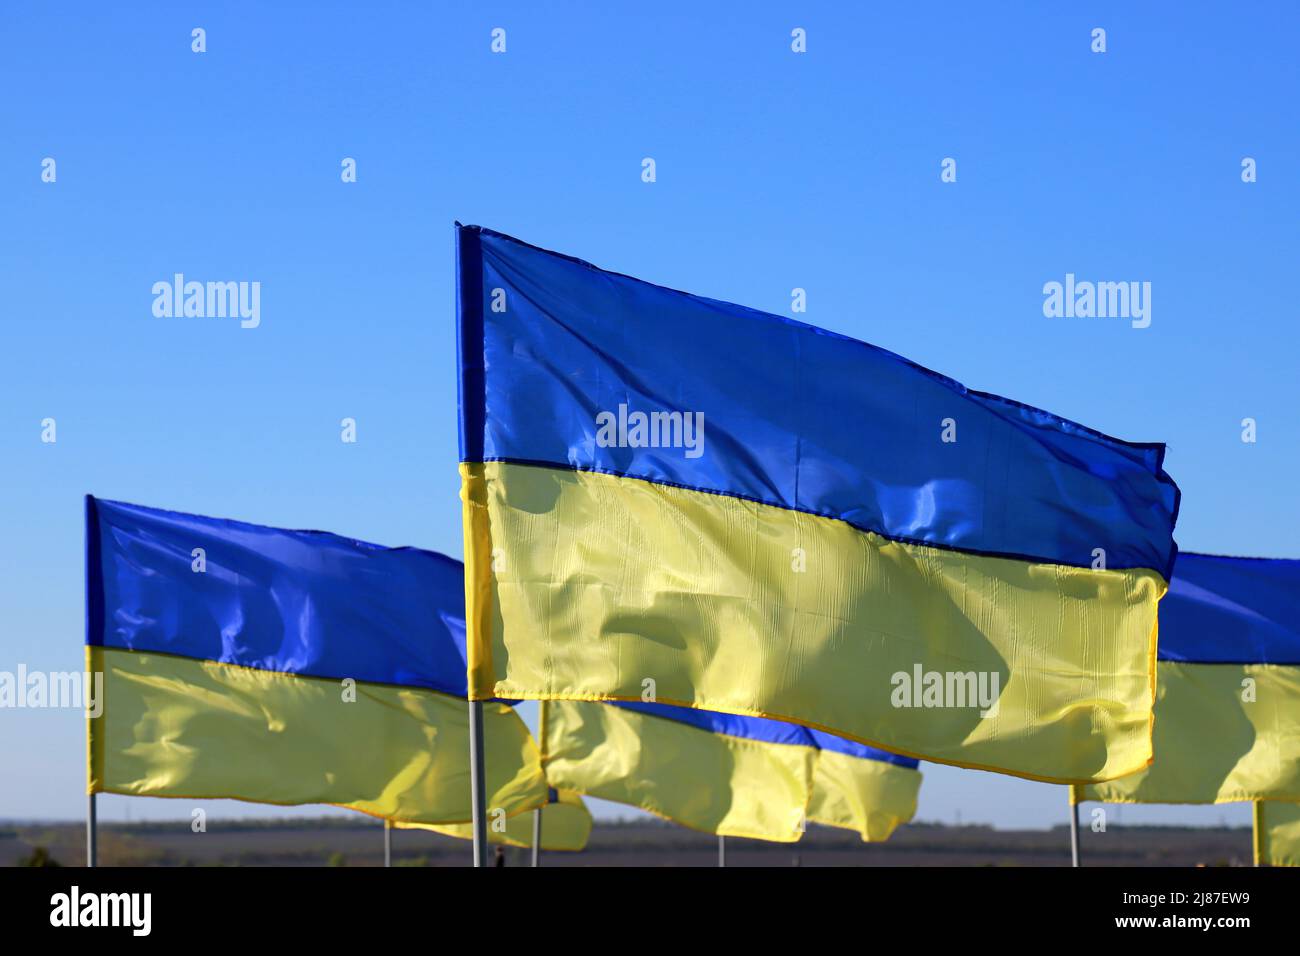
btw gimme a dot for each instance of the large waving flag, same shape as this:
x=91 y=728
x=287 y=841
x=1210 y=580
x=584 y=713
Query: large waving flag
x=726 y=774
x=1227 y=715
x=1277 y=833
x=286 y=667
x=764 y=518
x=566 y=825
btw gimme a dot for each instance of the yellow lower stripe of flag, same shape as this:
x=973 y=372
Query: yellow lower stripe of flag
x=1277 y=833
x=180 y=727
x=1223 y=733
x=583 y=585
x=711 y=782
x=871 y=797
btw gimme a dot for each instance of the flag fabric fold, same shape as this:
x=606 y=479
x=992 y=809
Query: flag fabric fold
x=861 y=788
x=286 y=667
x=726 y=774
x=678 y=771
x=768 y=519
x=1227 y=713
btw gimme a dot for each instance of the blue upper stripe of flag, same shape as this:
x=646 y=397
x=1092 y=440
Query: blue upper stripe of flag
x=563 y=364
x=1225 y=610
x=299 y=602
x=838 y=744
x=766 y=730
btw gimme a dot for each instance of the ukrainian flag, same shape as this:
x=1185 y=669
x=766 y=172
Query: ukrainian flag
x=726 y=774
x=286 y=667
x=1277 y=833
x=566 y=825
x=764 y=518
x=1227 y=715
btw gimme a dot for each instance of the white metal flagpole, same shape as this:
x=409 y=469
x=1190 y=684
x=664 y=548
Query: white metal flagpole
x=537 y=837
x=1074 y=827
x=388 y=843
x=478 y=785
x=537 y=814
x=722 y=850
x=92 y=850
x=92 y=834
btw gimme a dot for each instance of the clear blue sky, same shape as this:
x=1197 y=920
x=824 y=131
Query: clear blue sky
x=775 y=170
